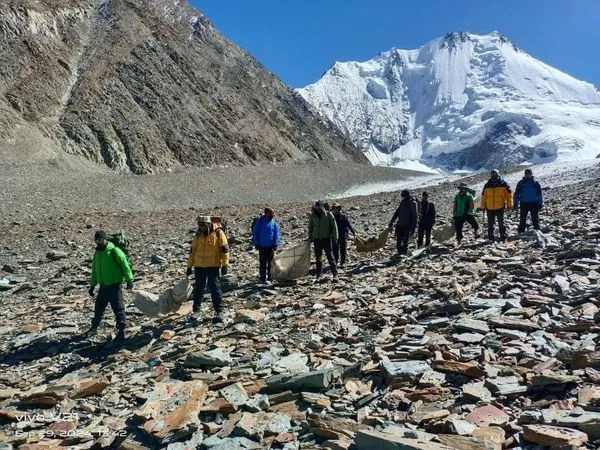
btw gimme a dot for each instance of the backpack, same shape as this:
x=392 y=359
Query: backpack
x=219 y=223
x=254 y=220
x=121 y=241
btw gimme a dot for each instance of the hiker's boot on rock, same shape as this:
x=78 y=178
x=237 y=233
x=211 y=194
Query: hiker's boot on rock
x=120 y=337
x=218 y=318
x=91 y=332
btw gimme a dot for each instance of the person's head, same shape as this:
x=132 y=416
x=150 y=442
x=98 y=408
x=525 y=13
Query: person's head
x=494 y=174
x=462 y=188
x=405 y=194
x=528 y=173
x=204 y=223
x=336 y=207
x=101 y=239
x=425 y=196
x=269 y=213
x=319 y=209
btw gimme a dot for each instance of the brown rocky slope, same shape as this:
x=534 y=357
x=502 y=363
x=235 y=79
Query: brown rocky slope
x=141 y=86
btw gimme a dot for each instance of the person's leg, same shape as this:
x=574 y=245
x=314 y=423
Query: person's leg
x=535 y=216
x=214 y=284
x=118 y=305
x=270 y=256
x=327 y=247
x=523 y=210
x=343 y=246
x=336 y=251
x=491 y=216
x=399 y=239
x=420 y=235
x=428 y=235
x=200 y=277
x=473 y=222
x=501 y=225
x=405 y=236
x=100 y=305
x=319 y=256
x=262 y=264
x=458 y=225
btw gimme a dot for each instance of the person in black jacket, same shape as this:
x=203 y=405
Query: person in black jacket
x=426 y=220
x=408 y=217
x=344 y=225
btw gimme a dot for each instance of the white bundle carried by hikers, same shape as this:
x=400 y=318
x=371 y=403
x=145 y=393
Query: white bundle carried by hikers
x=444 y=232
x=291 y=264
x=373 y=243
x=170 y=301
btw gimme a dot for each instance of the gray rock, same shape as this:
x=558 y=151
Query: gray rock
x=405 y=370
x=212 y=358
x=467 y=324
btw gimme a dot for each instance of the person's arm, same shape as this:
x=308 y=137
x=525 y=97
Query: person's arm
x=277 y=235
x=310 y=227
x=224 y=248
x=518 y=192
x=470 y=206
x=433 y=213
x=540 y=194
x=455 y=207
x=255 y=233
x=333 y=226
x=483 y=199
x=94 y=276
x=395 y=216
x=414 y=213
x=509 y=196
x=350 y=227
x=192 y=253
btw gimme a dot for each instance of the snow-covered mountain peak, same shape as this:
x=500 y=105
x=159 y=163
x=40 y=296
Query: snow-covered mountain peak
x=463 y=100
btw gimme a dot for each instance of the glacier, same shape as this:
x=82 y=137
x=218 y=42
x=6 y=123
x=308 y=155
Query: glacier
x=464 y=101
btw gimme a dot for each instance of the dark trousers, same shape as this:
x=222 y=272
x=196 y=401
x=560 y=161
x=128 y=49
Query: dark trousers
x=265 y=256
x=110 y=294
x=492 y=215
x=424 y=231
x=402 y=237
x=340 y=251
x=210 y=275
x=460 y=221
x=324 y=245
x=526 y=208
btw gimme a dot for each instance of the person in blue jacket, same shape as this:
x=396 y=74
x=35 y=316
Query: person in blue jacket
x=266 y=237
x=528 y=198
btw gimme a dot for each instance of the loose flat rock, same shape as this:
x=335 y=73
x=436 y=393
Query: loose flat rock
x=554 y=436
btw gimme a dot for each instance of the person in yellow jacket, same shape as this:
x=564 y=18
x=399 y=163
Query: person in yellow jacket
x=208 y=255
x=496 y=197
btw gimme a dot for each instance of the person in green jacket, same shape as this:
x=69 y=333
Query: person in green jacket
x=109 y=268
x=464 y=211
x=323 y=233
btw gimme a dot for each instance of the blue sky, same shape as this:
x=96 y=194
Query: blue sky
x=299 y=39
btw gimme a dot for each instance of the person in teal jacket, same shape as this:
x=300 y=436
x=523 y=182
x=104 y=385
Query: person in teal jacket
x=109 y=268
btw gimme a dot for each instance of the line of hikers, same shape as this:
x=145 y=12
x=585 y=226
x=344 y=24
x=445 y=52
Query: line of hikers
x=328 y=230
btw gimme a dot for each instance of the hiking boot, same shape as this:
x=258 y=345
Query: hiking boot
x=218 y=318
x=120 y=337
x=334 y=278
x=91 y=332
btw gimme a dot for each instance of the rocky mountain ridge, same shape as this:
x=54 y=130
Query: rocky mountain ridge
x=461 y=101
x=144 y=86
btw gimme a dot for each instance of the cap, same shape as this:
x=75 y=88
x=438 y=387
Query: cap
x=100 y=234
x=405 y=193
x=462 y=185
x=528 y=171
x=203 y=219
x=336 y=205
x=494 y=172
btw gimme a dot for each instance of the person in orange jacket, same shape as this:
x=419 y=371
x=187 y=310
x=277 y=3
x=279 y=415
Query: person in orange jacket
x=495 y=199
x=208 y=255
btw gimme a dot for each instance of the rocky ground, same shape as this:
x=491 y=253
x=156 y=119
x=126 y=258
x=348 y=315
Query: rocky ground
x=482 y=346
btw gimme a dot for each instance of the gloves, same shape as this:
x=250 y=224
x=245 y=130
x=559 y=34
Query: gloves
x=224 y=270
x=515 y=207
x=188 y=272
x=91 y=291
x=274 y=249
x=130 y=285
x=540 y=207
